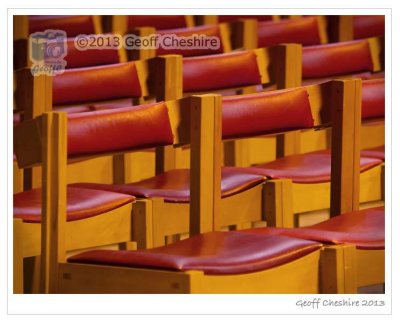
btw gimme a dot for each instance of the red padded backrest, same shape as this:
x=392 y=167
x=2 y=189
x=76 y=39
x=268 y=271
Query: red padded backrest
x=368 y=26
x=211 y=30
x=77 y=58
x=215 y=72
x=120 y=129
x=265 y=113
x=373 y=98
x=72 y=25
x=228 y=18
x=100 y=83
x=158 y=22
x=302 y=31
x=336 y=59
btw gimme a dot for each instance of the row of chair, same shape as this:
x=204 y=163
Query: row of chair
x=263 y=66
x=247 y=33
x=49 y=134
x=363 y=26
x=242 y=61
x=244 y=191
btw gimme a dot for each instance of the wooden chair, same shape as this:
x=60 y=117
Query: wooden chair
x=87 y=89
x=242 y=72
x=297 y=177
x=315 y=68
x=358 y=59
x=67 y=92
x=95 y=217
x=305 y=147
x=354 y=249
x=181 y=267
x=73 y=25
x=366 y=61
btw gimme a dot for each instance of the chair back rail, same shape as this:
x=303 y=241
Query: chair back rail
x=156 y=77
x=305 y=31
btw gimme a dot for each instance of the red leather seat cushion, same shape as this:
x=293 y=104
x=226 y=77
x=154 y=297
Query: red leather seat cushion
x=214 y=253
x=368 y=26
x=82 y=203
x=220 y=71
x=78 y=58
x=72 y=25
x=158 y=22
x=174 y=185
x=365 y=229
x=98 y=83
x=319 y=80
x=314 y=167
x=122 y=103
x=74 y=108
x=261 y=113
x=377 y=152
x=300 y=31
x=143 y=126
x=231 y=18
x=377 y=75
x=208 y=30
x=336 y=59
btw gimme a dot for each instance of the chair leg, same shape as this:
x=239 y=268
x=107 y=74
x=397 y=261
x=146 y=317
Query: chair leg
x=18 y=260
x=277 y=203
x=143 y=224
x=338 y=270
x=159 y=237
x=18 y=273
x=32 y=275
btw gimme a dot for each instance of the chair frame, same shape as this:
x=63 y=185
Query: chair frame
x=115 y=226
x=286 y=212
x=35 y=95
x=279 y=65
